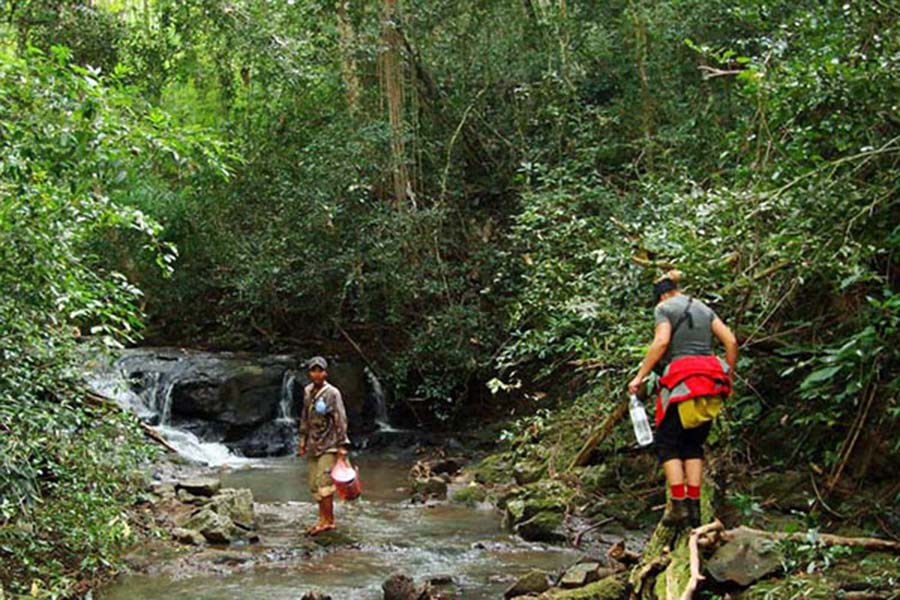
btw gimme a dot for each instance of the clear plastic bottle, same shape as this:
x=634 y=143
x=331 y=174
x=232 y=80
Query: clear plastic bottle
x=640 y=422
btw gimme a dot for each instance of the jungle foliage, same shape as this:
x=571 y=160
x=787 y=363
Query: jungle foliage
x=474 y=192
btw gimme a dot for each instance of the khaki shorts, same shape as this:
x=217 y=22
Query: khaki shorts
x=320 y=484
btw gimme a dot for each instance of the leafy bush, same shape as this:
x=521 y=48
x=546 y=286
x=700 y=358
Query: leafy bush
x=72 y=150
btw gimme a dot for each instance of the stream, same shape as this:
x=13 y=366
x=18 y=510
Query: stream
x=386 y=534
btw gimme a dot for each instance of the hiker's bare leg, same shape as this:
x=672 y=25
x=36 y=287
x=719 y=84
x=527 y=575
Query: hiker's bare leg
x=693 y=470
x=674 y=470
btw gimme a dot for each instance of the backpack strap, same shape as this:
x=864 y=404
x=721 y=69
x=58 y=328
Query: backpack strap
x=685 y=316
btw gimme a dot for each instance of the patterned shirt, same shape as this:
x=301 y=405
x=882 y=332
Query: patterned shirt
x=323 y=431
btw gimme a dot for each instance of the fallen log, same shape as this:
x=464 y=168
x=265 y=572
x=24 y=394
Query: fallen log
x=156 y=437
x=826 y=539
x=110 y=404
x=582 y=457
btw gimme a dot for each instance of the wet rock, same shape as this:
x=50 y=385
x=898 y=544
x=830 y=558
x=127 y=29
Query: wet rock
x=581 y=574
x=402 y=587
x=430 y=487
x=188 y=536
x=334 y=537
x=543 y=527
x=533 y=582
x=315 y=596
x=275 y=438
x=522 y=509
x=199 y=486
x=216 y=528
x=441 y=580
x=745 y=559
x=614 y=587
x=236 y=504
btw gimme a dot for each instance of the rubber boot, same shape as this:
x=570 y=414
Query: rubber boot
x=328 y=512
x=676 y=513
x=326 y=516
x=693 y=511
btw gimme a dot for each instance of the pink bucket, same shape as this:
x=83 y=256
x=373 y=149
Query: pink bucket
x=346 y=480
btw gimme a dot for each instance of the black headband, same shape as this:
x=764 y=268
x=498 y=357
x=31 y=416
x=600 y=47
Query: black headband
x=662 y=286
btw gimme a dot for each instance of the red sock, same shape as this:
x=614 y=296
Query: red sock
x=677 y=491
x=693 y=492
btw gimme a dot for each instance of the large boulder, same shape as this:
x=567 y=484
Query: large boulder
x=745 y=559
x=237 y=394
x=275 y=438
x=230 y=398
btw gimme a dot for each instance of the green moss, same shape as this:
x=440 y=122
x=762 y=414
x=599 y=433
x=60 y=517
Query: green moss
x=495 y=469
x=470 y=495
x=614 y=587
x=874 y=571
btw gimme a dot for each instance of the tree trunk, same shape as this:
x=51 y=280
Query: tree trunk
x=347 y=42
x=390 y=70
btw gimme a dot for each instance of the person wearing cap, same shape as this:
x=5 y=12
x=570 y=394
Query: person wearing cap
x=323 y=438
x=693 y=382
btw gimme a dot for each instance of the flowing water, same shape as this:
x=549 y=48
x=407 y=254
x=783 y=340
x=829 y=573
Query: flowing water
x=387 y=534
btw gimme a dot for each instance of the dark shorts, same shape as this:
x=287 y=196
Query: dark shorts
x=674 y=441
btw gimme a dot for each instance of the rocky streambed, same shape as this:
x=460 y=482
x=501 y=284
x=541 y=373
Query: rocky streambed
x=461 y=548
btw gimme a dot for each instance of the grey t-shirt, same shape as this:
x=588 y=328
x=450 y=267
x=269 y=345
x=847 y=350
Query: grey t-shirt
x=687 y=341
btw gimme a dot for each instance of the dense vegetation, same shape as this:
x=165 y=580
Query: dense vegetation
x=474 y=192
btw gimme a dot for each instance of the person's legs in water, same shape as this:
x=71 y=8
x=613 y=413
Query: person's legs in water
x=322 y=489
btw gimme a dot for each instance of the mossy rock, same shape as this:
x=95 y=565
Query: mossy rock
x=529 y=471
x=543 y=527
x=597 y=478
x=874 y=571
x=522 y=509
x=494 y=469
x=614 y=587
x=789 y=490
x=469 y=495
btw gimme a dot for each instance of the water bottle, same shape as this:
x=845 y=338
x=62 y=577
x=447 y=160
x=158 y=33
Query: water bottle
x=639 y=420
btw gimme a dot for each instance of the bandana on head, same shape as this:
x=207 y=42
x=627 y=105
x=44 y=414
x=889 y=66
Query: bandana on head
x=663 y=286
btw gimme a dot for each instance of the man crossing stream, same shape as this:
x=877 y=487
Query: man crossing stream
x=323 y=438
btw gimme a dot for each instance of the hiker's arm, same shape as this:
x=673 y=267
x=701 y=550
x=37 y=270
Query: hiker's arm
x=724 y=334
x=661 y=337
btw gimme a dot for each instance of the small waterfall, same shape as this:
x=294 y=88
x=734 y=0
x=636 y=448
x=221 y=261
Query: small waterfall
x=376 y=391
x=286 y=403
x=152 y=398
x=165 y=409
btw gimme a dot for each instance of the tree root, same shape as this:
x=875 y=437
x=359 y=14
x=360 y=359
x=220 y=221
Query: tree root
x=694 y=545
